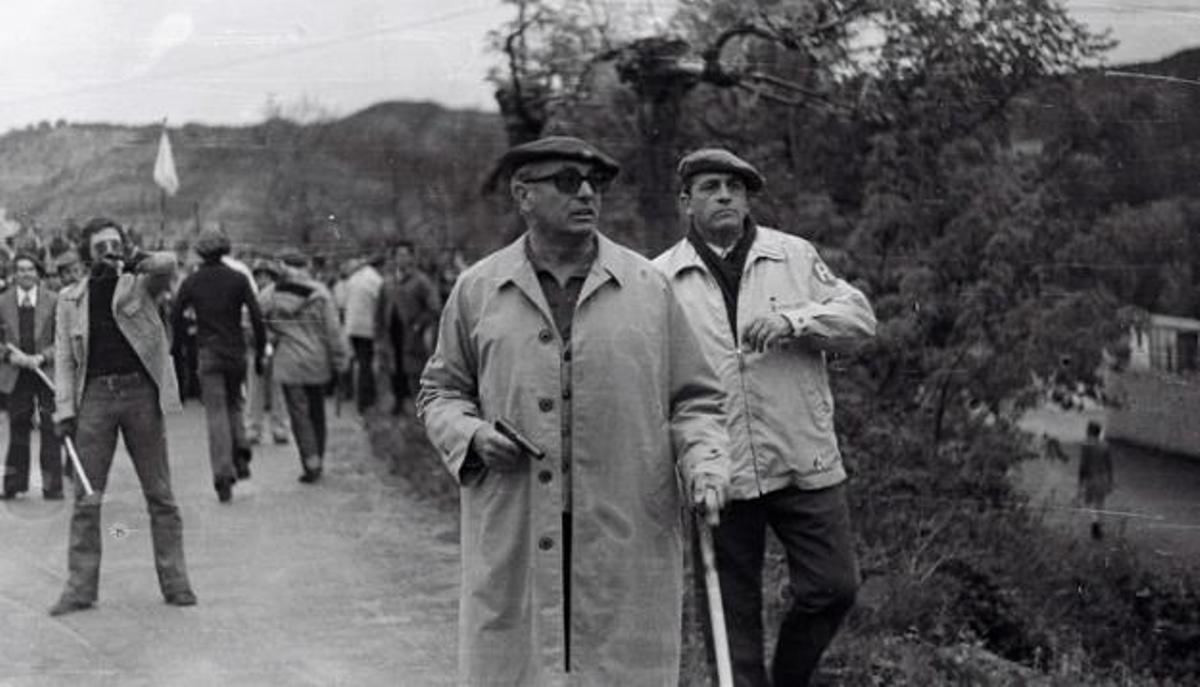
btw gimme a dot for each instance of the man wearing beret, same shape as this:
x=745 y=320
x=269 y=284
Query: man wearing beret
x=572 y=558
x=767 y=310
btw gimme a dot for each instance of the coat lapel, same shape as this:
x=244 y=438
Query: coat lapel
x=43 y=315
x=520 y=274
x=8 y=316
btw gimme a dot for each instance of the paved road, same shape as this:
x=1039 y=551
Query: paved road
x=342 y=583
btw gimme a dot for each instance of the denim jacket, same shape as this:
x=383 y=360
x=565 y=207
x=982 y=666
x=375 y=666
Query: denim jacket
x=779 y=409
x=135 y=310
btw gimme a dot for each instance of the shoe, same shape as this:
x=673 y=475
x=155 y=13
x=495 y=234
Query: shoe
x=281 y=439
x=224 y=490
x=8 y=495
x=241 y=462
x=184 y=598
x=52 y=495
x=254 y=439
x=310 y=476
x=65 y=606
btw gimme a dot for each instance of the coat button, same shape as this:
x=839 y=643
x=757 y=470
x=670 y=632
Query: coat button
x=545 y=336
x=545 y=543
x=566 y=393
x=567 y=355
x=545 y=476
x=545 y=405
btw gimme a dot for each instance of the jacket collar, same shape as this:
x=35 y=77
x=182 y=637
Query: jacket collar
x=683 y=255
x=514 y=267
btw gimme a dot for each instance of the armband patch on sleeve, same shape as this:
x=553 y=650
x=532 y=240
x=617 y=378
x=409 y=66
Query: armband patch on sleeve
x=822 y=273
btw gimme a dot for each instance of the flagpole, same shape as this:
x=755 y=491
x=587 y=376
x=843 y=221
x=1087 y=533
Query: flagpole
x=162 y=201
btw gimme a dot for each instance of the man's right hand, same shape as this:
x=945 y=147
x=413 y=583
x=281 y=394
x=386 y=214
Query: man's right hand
x=496 y=451
x=65 y=428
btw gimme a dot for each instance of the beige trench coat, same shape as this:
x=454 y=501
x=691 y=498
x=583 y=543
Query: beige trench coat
x=646 y=402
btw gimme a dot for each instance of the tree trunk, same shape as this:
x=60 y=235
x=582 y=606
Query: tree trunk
x=658 y=127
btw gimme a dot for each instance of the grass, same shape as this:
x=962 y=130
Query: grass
x=956 y=591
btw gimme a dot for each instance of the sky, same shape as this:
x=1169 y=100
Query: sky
x=223 y=61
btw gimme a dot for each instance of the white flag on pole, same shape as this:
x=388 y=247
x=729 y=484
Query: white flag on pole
x=164 y=166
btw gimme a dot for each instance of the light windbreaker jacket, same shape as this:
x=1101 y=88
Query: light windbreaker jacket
x=135 y=310
x=309 y=345
x=362 y=300
x=780 y=408
x=646 y=403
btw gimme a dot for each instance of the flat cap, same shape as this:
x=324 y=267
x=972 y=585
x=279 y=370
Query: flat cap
x=554 y=148
x=719 y=160
x=265 y=265
x=292 y=257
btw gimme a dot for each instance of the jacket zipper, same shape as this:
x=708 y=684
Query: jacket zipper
x=741 y=357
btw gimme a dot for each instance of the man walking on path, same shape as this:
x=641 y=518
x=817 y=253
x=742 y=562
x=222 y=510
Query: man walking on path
x=267 y=412
x=217 y=293
x=309 y=351
x=408 y=306
x=572 y=562
x=27 y=335
x=767 y=310
x=362 y=303
x=113 y=374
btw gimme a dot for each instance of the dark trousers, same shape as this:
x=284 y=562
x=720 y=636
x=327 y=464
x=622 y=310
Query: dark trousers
x=364 y=358
x=127 y=404
x=221 y=378
x=29 y=396
x=306 y=408
x=814 y=528
x=186 y=358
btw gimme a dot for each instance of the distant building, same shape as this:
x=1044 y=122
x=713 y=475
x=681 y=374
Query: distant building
x=1158 y=395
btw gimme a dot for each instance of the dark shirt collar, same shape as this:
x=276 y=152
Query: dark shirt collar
x=578 y=271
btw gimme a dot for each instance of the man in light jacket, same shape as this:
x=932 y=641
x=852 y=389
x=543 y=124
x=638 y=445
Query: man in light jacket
x=113 y=375
x=309 y=350
x=572 y=562
x=362 y=304
x=767 y=310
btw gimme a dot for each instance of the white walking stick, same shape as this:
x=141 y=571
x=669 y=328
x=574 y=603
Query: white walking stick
x=716 y=611
x=67 y=441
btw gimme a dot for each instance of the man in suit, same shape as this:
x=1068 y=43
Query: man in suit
x=27 y=333
x=113 y=375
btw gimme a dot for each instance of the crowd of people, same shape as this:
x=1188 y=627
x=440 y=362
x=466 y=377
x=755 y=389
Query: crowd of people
x=99 y=337
x=579 y=394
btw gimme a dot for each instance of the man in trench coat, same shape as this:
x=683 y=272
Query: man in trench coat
x=572 y=563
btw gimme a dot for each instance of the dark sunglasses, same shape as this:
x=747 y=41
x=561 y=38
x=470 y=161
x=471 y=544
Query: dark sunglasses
x=108 y=247
x=570 y=179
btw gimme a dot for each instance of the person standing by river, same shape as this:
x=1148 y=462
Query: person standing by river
x=1095 y=476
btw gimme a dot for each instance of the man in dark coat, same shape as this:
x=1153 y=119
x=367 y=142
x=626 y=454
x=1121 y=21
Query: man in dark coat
x=27 y=332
